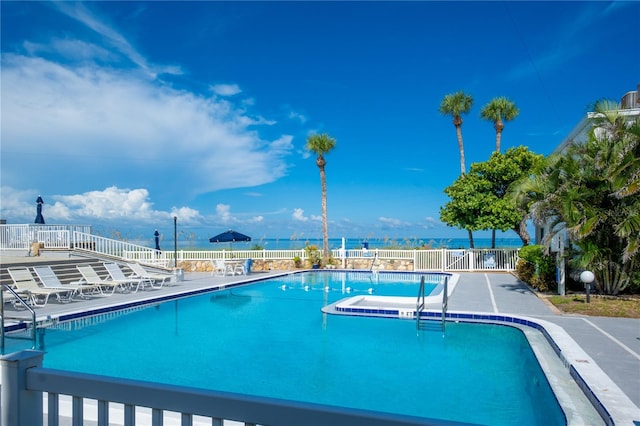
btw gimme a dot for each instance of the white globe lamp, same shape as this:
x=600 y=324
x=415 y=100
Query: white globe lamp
x=587 y=277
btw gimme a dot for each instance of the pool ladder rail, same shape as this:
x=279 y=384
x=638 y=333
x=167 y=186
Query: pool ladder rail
x=17 y=301
x=423 y=324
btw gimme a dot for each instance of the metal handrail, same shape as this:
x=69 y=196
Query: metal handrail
x=445 y=301
x=420 y=303
x=22 y=302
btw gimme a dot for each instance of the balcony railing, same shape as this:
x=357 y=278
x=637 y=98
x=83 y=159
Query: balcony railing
x=24 y=381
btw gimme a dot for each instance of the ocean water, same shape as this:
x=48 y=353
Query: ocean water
x=334 y=243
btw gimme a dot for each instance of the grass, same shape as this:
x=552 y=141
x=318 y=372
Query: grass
x=603 y=306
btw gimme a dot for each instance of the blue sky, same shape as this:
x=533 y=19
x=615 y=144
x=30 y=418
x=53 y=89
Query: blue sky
x=123 y=115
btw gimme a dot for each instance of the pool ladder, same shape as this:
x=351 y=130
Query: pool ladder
x=30 y=329
x=420 y=306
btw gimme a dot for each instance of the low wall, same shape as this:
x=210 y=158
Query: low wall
x=288 y=265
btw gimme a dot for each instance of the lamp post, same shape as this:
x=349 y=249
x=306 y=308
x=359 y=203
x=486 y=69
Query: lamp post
x=587 y=278
x=175 y=241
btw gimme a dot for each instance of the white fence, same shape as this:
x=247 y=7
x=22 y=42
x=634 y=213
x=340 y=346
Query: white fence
x=80 y=238
x=20 y=237
x=24 y=381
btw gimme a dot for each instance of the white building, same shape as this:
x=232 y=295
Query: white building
x=630 y=107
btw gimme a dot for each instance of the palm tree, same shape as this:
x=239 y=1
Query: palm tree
x=321 y=144
x=591 y=192
x=499 y=110
x=456 y=104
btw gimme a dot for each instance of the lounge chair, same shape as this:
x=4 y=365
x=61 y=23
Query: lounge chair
x=25 y=283
x=116 y=274
x=49 y=279
x=90 y=276
x=140 y=272
x=221 y=268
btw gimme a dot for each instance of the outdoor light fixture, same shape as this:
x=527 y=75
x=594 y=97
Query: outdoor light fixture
x=587 y=278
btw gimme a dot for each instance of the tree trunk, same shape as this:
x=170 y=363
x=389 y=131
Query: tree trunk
x=325 y=228
x=522 y=232
x=499 y=126
x=493 y=238
x=463 y=169
x=471 y=245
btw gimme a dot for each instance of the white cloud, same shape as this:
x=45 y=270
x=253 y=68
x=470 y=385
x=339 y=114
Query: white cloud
x=130 y=206
x=297 y=117
x=298 y=214
x=392 y=222
x=88 y=116
x=431 y=222
x=316 y=218
x=223 y=213
x=186 y=215
x=226 y=89
x=81 y=13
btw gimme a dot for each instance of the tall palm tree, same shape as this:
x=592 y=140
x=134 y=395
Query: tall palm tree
x=499 y=110
x=321 y=144
x=456 y=104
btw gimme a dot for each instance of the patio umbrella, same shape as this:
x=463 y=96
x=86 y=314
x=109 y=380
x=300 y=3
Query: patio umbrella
x=39 y=217
x=157 y=235
x=229 y=236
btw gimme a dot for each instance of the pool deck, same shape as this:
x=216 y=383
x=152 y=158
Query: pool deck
x=612 y=343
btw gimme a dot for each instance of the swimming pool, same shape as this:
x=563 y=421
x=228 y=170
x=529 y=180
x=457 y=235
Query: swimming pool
x=271 y=339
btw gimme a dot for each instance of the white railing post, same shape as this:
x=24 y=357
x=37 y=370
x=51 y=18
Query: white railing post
x=18 y=405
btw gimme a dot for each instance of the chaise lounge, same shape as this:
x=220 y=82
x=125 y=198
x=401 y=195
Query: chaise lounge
x=140 y=272
x=116 y=274
x=25 y=283
x=50 y=280
x=90 y=276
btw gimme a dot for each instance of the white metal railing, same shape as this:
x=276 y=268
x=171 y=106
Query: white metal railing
x=76 y=237
x=21 y=236
x=55 y=239
x=24 y=381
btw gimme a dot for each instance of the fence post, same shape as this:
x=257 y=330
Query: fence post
x=18 y=405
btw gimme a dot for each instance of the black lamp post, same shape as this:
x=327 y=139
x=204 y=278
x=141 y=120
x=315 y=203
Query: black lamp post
x=175 y=241
x=587 y=278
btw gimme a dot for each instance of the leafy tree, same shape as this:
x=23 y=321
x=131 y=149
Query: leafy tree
x=322 y=144
x=591 y=192
x=499 y=110
x=479 y=199
x=456 y=104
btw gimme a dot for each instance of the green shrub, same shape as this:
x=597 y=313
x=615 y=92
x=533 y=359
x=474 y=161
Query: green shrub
x=314 y=256
x=525 y=270
x=536 y=268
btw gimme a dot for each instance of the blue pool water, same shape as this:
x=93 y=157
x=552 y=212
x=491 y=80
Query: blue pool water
x=272 y=339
